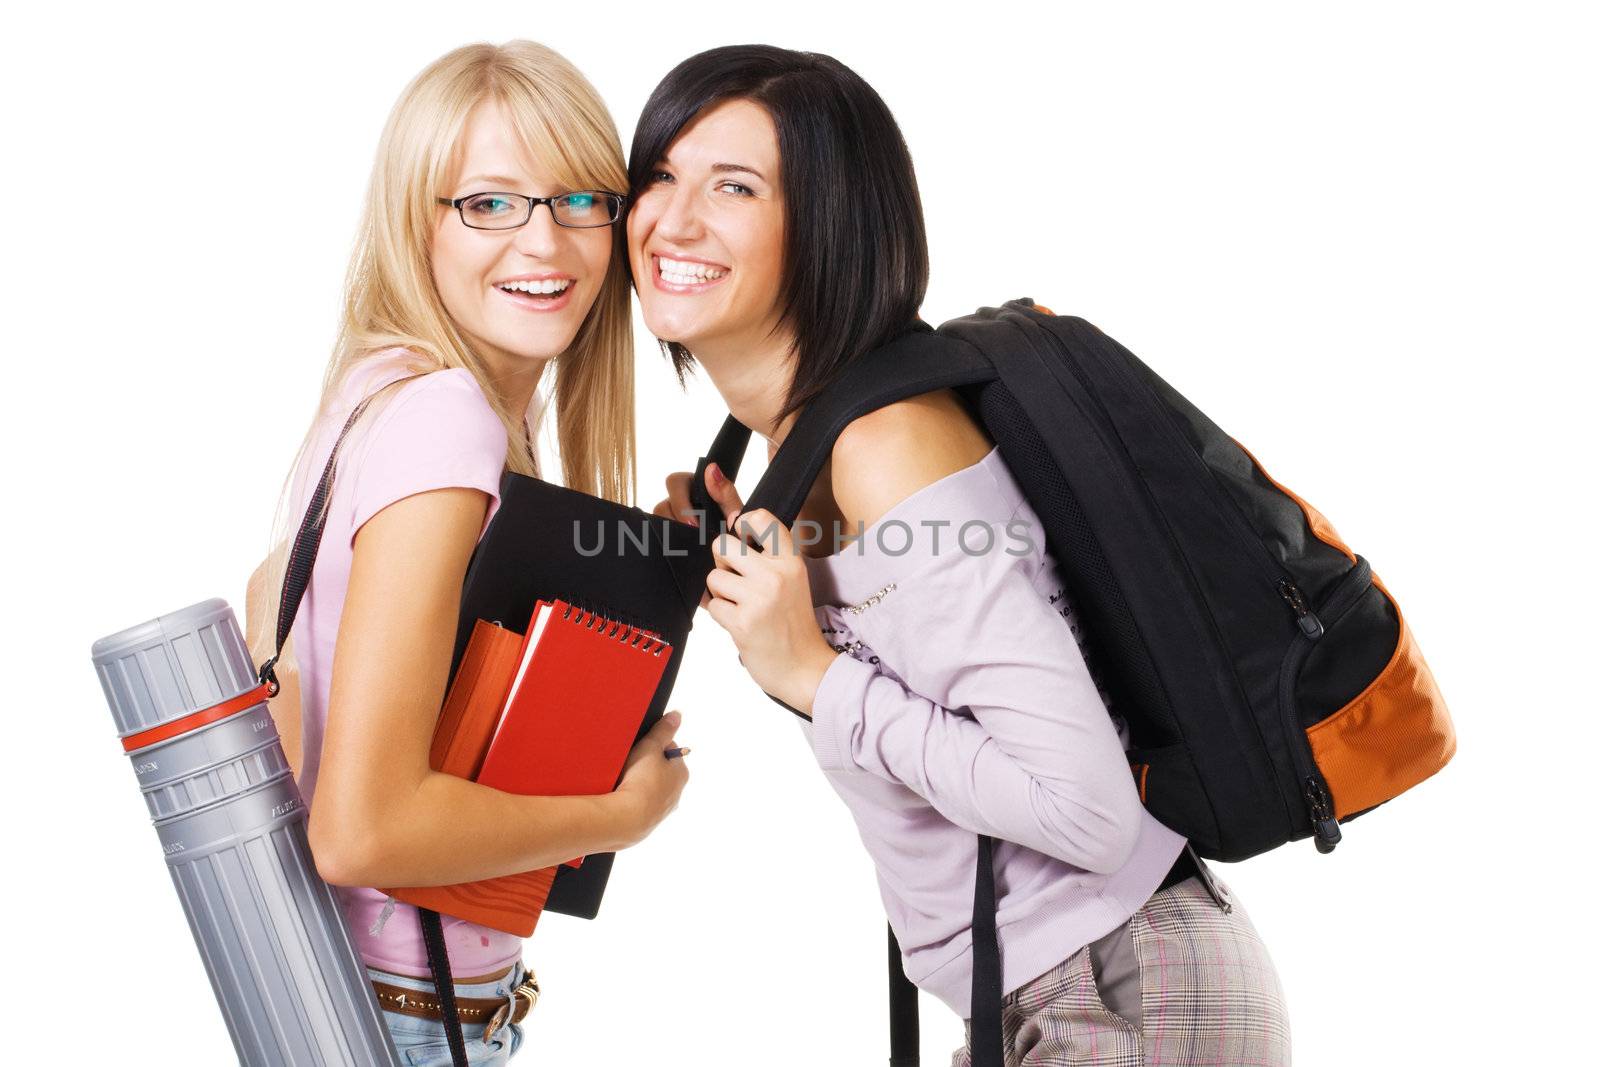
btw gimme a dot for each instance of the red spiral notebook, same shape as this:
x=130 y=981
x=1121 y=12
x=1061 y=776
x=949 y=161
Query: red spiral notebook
x=553 y=712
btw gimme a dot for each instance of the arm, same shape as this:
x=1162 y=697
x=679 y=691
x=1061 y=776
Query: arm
x=1033 y=757
x=380 y=815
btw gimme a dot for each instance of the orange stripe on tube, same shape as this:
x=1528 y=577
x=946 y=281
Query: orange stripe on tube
x=193 y=721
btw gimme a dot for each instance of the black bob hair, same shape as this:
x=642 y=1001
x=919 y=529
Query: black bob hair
x=855 y=258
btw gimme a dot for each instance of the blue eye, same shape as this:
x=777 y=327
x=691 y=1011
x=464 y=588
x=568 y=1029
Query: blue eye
x=490 y=206
x=580 y=203
x=737 y=189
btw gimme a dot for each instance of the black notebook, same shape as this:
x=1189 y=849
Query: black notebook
x=547 y=542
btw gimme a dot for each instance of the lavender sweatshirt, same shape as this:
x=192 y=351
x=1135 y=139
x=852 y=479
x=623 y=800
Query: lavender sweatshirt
x=962 y=705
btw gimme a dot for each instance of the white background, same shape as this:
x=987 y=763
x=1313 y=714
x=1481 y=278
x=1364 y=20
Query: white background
x=1363 y=238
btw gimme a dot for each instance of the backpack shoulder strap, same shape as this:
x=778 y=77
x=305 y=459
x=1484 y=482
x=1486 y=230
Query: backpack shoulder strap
x=904 y=1029
x=303 y=554
x=917 y=362
x=727 y=452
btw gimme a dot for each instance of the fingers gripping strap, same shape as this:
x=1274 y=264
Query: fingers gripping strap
x=727 y=452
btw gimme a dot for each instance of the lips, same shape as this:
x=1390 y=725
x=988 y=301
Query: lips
x=535 y=286
x=680 y=275
x=538 y=294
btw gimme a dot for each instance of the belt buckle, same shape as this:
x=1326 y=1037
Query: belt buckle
x=516 y=1007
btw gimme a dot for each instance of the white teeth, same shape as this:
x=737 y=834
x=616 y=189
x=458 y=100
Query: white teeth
x=681 y=272
x=548 y=285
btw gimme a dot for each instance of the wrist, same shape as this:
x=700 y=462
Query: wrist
x=623 y=820
x=801 y=684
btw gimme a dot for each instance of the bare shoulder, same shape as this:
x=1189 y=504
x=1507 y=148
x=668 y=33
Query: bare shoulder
x=887 y=455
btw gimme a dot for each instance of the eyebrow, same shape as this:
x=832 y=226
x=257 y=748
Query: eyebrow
x=487 y=178
x=723 y=168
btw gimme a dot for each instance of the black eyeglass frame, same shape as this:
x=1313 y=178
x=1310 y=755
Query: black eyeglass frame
x=617 y=200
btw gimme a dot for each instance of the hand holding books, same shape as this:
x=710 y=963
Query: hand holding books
x=652 y=781
x=555 y=712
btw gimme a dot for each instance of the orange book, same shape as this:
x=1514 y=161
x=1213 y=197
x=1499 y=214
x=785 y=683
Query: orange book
x=550 y=713
x=472 y=707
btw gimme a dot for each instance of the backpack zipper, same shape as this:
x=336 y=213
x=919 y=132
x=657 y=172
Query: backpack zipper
x=1313 y=786
x=1310 y=625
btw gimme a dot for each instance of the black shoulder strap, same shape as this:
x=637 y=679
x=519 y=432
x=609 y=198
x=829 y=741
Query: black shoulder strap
x=988 y=989
x=904 y=1026
x=303 y=556
x=727 y=452
x=986 y=1040
x=916 y=362
x=444 y=982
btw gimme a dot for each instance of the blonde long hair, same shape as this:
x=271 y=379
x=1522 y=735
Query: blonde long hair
x=389 y=295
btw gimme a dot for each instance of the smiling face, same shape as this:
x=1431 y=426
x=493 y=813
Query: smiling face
x=519 y=296
x=706 y=235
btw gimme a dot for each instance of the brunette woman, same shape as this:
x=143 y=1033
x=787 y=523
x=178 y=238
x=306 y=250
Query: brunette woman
x=776 y=236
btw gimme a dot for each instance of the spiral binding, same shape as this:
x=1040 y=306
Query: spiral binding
x=628 y=631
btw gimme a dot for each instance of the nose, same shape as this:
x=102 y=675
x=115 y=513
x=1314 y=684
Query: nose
x=680 y=219
x=539 y=237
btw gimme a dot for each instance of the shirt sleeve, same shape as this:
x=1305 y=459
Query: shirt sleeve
x=437 y=432
x=997 y=724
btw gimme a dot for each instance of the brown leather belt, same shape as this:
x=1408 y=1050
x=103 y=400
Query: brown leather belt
x=495 y=1012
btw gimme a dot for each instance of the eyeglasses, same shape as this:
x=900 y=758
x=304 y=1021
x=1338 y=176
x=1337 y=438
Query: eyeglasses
x=582 y=210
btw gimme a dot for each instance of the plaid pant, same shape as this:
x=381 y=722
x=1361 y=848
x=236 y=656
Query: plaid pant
x=1209 y=997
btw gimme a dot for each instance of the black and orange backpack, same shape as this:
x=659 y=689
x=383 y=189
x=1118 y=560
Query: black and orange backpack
x=1270 y=684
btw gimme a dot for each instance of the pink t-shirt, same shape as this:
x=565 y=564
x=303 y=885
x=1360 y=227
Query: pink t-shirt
x=434 y=432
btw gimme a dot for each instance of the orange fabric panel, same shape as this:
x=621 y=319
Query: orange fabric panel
x=1141 y=772
x=1395 y=734
x=1320 y=526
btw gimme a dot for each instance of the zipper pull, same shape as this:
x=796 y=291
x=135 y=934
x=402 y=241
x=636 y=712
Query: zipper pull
x=1323 y=823
x=1310 y=625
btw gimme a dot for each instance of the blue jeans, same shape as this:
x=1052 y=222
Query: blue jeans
x=422 y=1042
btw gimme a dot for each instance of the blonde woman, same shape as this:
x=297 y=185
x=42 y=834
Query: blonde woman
x=488 y=250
